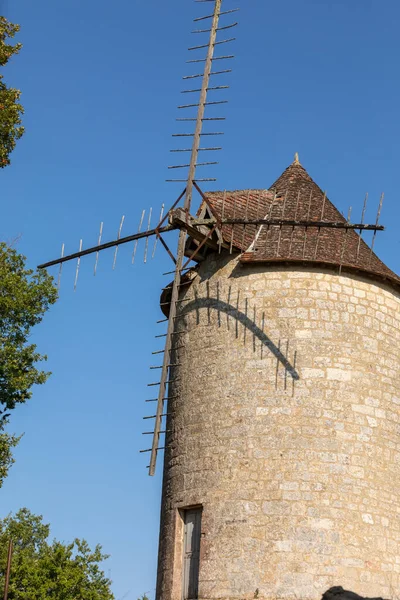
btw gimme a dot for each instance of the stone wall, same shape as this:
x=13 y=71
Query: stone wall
x=285 y=426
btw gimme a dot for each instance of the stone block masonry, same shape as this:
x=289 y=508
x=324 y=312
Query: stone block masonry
x=285 y=427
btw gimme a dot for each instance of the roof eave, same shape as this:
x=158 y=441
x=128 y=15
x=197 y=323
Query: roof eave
x=248 y=259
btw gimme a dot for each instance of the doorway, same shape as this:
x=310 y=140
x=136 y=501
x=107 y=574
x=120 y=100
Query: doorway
x=191 y=553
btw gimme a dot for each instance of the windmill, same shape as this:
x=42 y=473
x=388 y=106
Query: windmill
x=224 y=229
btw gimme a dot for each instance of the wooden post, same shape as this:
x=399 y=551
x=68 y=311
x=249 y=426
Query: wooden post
x=202 y=105
x=8 y=569
x=182 y=239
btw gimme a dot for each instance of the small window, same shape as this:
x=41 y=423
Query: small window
x=191 y=553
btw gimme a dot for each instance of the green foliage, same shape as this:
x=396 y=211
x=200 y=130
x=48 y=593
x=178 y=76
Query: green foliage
x=7 y=443
x=49 y=571
x=10 y=108
x=24 y=298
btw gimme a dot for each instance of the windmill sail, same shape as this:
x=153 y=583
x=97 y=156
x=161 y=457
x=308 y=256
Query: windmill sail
x=226 y=221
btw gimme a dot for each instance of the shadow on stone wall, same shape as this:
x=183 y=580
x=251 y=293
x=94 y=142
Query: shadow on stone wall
x=249 y=325
x=338 y=593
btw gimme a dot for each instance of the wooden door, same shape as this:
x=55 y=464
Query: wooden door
x=191 y=553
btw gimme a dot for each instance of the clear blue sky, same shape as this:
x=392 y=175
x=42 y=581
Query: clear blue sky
x=101 y=83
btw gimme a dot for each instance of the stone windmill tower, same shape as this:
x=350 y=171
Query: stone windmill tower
x=281 y=474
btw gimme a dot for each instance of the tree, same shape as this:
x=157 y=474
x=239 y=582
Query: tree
x=25 y=296
x=11 y=110
x=7 y=443
x=49 y=571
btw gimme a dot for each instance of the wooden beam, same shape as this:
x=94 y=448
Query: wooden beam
x=199 y=233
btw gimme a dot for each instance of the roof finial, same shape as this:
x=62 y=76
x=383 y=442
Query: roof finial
x=296 y=159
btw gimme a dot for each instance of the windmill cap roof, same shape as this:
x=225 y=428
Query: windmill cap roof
x=295 y=196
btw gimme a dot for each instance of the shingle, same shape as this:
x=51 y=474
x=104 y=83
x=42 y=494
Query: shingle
x=294 y=196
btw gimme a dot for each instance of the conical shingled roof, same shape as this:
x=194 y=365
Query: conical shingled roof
x=295 y=196
x=249 y=204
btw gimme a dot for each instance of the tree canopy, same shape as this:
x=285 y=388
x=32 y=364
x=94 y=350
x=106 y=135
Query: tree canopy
x=49 y=570
x=11 y=110
x=25 y=295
